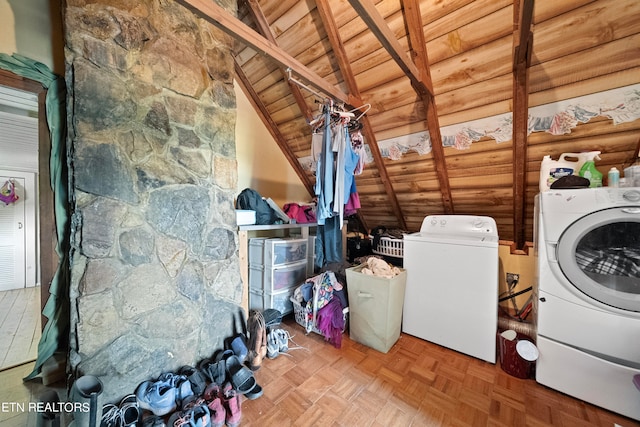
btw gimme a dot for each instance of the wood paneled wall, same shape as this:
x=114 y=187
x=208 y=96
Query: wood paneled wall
x=580 y=47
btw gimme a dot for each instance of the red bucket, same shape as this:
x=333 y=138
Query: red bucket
x=518 y=354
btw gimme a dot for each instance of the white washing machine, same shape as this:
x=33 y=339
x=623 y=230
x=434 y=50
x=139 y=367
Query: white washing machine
x=451 y=294
x=588 y=295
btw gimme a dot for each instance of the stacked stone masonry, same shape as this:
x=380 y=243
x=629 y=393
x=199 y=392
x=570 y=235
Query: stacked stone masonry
x=155 y=280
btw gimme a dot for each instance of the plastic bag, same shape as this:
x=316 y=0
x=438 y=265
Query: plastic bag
x=8 y=193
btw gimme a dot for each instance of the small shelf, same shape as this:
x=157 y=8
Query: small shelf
x=273 y=227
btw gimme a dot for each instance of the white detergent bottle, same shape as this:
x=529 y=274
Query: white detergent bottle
x=632 y=174
x=552 y=170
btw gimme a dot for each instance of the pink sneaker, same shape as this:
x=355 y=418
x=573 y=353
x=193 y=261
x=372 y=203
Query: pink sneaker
x=213 y=397
x=217 y=412
x=212 y=391
x=232 y=404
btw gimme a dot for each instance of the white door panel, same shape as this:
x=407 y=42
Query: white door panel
x=12 y=239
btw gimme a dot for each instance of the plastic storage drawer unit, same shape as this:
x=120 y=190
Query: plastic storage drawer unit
x=274 y=251
x=277 y=278
x=375 y=307
x=281 y=300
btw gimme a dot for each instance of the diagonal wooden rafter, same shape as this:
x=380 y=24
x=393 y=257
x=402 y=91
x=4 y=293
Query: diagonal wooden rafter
x=418 y=48
x=272 y=127
x=216 y=15
x=265 y=30
x=523 y=42
x=418 y=75
x=335 y=40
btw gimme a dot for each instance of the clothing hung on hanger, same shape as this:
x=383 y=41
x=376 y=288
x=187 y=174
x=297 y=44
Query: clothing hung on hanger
x=337 y=162
x=325 y=174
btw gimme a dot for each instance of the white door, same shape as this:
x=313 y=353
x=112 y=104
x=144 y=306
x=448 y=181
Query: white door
x=12 y=239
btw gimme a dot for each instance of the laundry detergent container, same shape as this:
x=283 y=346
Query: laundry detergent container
x=375 y=308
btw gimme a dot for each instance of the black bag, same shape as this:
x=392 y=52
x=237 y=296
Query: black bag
x=358 y=247
x=250 y=199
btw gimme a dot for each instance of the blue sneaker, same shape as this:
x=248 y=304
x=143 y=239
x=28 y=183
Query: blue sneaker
x=180 y=383
x=158 y=397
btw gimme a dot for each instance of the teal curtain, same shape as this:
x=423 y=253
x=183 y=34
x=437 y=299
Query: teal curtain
x=56 y=332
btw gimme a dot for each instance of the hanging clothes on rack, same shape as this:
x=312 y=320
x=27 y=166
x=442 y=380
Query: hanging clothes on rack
x=336 y=163
x=339 y=147
x=325 y=173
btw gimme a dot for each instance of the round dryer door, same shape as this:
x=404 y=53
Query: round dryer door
x=600 y=255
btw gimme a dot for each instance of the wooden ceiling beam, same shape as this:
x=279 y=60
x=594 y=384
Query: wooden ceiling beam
x=260 y=108
x=216 y=15
x=263 y=26
x=523 y=42
x=419 y=76
x=376 y=23
x=418 y=47
x=340 y=53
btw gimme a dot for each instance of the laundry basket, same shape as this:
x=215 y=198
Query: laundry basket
x=300 y=314
x=391 y=249
x=306 y=320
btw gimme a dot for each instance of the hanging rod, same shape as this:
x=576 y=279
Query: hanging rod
x=302 y=85
x=319 y=95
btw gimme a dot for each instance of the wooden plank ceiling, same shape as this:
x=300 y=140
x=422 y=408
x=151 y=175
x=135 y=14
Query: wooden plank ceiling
x=426 y=64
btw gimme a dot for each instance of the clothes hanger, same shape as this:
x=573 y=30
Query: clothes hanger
x=367 y=106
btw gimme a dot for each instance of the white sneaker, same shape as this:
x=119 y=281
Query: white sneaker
x=283 y=340
x=273 y=344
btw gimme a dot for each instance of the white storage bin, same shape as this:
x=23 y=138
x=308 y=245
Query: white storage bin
x=245 y=217
x=280 y=300
x=256 y=251
x=276 y=278
x=277 y=251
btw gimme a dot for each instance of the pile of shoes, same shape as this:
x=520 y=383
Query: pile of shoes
x=208 y=395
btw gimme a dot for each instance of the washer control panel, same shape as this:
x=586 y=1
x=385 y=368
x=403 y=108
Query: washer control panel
x=459 y=224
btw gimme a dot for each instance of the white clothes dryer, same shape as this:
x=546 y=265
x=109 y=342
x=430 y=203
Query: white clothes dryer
x=451 y=293
x=587 y=247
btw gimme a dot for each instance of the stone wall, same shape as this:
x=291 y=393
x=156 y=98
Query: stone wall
x=155 y=281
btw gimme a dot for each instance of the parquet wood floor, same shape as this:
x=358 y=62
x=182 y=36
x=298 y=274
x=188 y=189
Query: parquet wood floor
x=417 y=383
